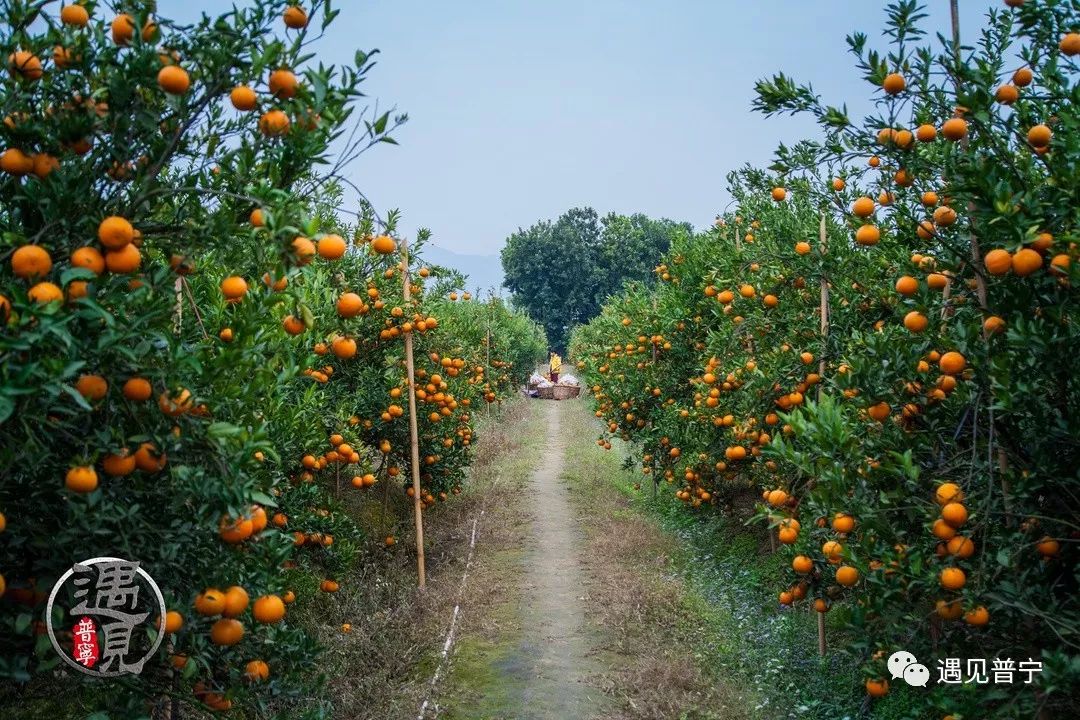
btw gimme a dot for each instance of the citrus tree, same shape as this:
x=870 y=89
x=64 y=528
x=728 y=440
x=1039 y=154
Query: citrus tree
x=877 y=339
x=197 y=355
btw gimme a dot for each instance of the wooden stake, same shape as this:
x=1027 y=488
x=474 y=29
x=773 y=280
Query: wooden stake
x=824 y=311
x=413 y=432
x=823 y=239
x=178 y=322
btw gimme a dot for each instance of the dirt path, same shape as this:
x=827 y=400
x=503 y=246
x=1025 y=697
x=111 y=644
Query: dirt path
x=526 y=651
x=555 y=650
x=575 y=608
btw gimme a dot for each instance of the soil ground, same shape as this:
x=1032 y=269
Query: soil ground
x=571 y=608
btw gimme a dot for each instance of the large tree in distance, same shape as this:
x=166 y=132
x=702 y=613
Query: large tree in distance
x=561 y=272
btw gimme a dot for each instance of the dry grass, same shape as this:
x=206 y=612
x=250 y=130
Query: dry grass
x=382 y=668
x=644 y=613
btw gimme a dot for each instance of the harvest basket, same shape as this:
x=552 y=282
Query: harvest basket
x=565 y=392
x=546 y=393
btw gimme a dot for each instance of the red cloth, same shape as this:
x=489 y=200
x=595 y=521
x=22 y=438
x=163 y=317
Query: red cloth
x=554 y=377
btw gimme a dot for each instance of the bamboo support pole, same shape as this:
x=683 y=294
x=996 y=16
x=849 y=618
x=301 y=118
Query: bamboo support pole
x=823 y=238
x=410 y=370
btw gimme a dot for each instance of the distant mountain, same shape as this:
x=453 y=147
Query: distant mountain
x=484 y=271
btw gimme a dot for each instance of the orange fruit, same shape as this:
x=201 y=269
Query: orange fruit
x=1070 y=44
x=926 y=133
x=256 y=218
x=1026 y=261
x=960 y=546
x=210 y=602
x=295 y=17
x=1039 y=136
x=907 y=285
x=119 y=464
x=31 y=261
x=951 y=610
x=243 y=98
x=173 y=79
x=174 y=406
x=1007 y=94
x=303 y=249
x=1022 y=77
x=123 y=261
x=944 y=216
x=998 y=261
x=801 y=248
x=349 y=305
x=236 y=602
x=952 y=363
x=947 y=493
x=747 y=291
x=770 y=301
x=256 y=671
x=880 y=411
x=936 y=281
x=847 y=575
x=226 y=631
x=89 y=258
x=268 y=609
x=293 y=325
x=148 y=459
x=1048 y=547
x=173 y=620
x=343 y=347
x=92 y=387
x=329 y=586
x=955 y=514
x=894 y=83
x=955 y=129
x=234 y=287
x=943 y=530
x=331 y=247
x=779 y=194
x=952 y=578
x=44 y=164
x=283 y=83
x=25 y=64
x=993 y=325
x=877 y=688
x=868 y=235
x=843 y=523
x=802 y=564
x=833 y=551
x=123 y=29
x=15 y=162
x=75 y=15
x=274 y=123
x=138 y=389
x=235 y=531
x=81 y=479
x=45 y=292
x=226 y=334
x=115 y=232
x=915 y=321
x=977 y=617
x=384 y=245
x=863 y=207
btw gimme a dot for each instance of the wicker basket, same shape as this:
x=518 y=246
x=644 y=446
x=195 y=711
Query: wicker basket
x=565 y=392
x=546 y=393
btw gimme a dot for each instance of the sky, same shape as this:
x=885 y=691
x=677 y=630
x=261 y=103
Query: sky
x=522 y=109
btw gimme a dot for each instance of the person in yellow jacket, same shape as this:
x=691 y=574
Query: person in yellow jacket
x=556 y=366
